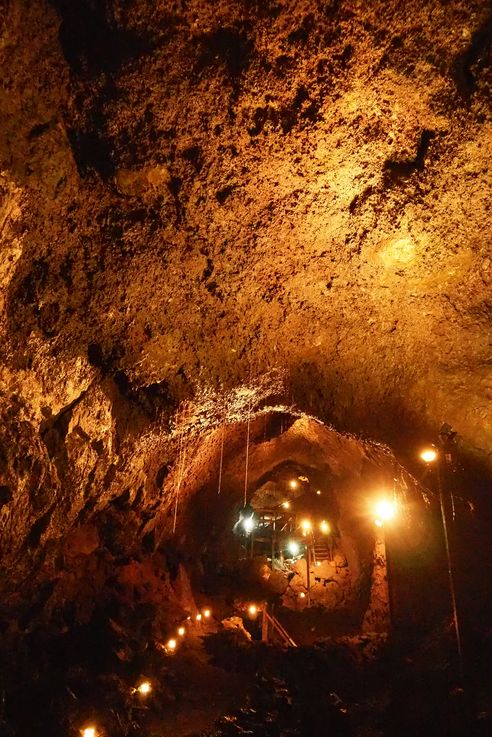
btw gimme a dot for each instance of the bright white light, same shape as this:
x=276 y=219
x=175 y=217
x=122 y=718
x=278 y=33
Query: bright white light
x=318 y=492
x=252 y=610
x=293 y=483
x=286 y=505
x=294 y=548
x=429 y=455
x=306 y=525
x=198 y=617
x=171 y=644
x=181 y=631
x=144 y=688
x=325 y=527
x=318 y=563
x=378 y=523
x=89 y=732
x=249 y=523
x=385 y=510
x=207 y=613
x=302 y=595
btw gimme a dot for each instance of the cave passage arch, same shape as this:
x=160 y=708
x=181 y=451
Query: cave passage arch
x=351 y=474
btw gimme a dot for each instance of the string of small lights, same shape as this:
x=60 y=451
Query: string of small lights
x=145 y=687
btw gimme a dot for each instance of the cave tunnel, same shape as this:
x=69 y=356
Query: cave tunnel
x=245 y=368
x=286 y=481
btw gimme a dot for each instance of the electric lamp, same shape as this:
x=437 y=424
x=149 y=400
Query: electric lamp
x=318 y=492
x=293 y=483
x=385 y=510
x=198 y=617
x=145 y=687
x=207 y=613
x=429 y=455
x=302 y=595
x=252 y=610
x=171 y=644
x=293 y=547
x=306 y=525
x=88 y=732
x=181 y=631
x=249 y=524
x=325 y=527
x=286 y=505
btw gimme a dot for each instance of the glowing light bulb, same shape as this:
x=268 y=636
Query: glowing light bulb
x=286 y=505
x=378 y=523
x=325 y=527
x=318 y=492
x=318 y=563
x=198 y=617
x=302 y=595
x=385 y=510
x=207 y=613
x=306 y=525
x=181 y=631
x=293 y=483
x=249 y=524
x=429 y=455
x=252 y=610
x=171 y=644
x=293 y=547
x=145 y=687
x=88 y=732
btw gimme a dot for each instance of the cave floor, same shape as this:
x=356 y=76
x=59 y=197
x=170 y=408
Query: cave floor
x=205 y=693
x=222 y=684
x=359 y=686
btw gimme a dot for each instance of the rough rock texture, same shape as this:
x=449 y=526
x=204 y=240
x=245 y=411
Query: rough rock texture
x=194 y=193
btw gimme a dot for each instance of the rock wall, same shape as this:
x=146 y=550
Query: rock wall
x=194 y=193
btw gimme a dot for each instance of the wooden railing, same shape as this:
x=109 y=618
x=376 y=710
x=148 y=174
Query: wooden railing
x=271 y=627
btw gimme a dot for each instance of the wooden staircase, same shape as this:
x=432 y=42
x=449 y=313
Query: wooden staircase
x=321 y=550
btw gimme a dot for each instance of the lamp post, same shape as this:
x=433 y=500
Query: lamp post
x=379 y=612
x=432 y=456
x=307 y=531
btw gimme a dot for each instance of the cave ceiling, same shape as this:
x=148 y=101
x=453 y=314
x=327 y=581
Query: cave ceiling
x=199 y=195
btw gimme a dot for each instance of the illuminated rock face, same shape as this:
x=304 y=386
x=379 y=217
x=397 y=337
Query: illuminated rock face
x=192 y=196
